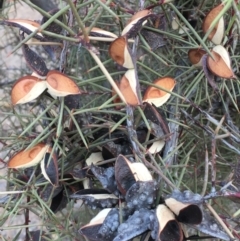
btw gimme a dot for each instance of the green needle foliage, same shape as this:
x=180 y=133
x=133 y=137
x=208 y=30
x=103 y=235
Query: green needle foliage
x=203 y=151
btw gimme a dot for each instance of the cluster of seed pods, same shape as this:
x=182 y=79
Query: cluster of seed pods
x=29 y=87
x=132 y=196
x=137 y=191
x=121 y=53
x=129 y=193
x=219 y=64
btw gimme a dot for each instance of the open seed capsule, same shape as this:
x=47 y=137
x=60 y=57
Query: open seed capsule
x=195 y=56
x=157 y=96
x=128 y=87
x=164 y=226
x=59 y=84
x=221 y=64
x=208 y=224
x=185 y=212
x=217 y=33
x=28 y=158
x=140 y=14
x=98 y=32
x=91 y=229
x=103 y=227
x=25 y=25
x=96 y=198
x=27 y=89
x=128 y=173
x=136 y=23
x=120 y=53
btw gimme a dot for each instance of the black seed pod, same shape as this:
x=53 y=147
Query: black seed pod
x=96 y=198
x=134 y=226
x=141 y=195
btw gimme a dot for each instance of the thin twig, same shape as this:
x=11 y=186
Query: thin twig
x=213 y=164
x=209 y=131
x=172 y=142
x=132 y=134
x=63 y=56
x=219 y=220
x=27 y=238
x=205 y=179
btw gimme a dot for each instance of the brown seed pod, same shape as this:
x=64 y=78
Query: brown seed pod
x=165 y=227
x=28 y=158
x=136 y=23
x=98 y=32
x=195 y=56
x=120 y=53
x=157 y=96
x=25 y=25
x=217 y=33
x=128 y=87
x=220 y=65
x=128 y=173
x=59 y=84
x=140 y=14
x=27 y=89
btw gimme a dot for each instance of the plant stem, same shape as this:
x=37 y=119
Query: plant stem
x=79 y=21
